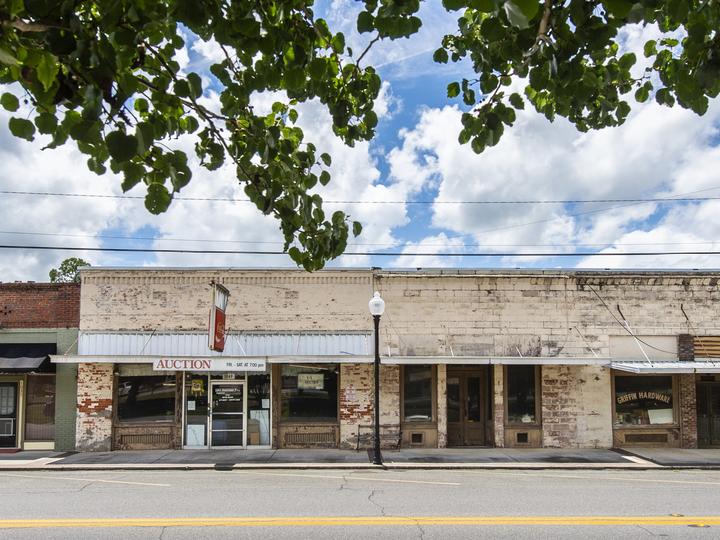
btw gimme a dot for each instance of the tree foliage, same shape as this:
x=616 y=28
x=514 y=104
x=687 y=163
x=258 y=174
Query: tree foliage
x=104 y=75
x=68 y=271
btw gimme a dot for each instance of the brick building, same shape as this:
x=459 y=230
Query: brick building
x=590 y=359
x=37 y=398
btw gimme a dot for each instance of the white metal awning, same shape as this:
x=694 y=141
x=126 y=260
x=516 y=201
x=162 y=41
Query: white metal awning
x=667 y=367
x=137 y=359
x=195 y=344
x=498 y=360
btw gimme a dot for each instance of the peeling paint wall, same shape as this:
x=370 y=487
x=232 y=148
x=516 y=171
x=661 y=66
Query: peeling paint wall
x=94 y=407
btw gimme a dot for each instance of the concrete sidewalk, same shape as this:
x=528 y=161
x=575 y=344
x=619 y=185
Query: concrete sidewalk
x=445 y=458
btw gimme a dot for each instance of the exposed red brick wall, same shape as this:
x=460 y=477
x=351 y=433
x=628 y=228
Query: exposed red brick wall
x=39 y=305
x=688 y=411
x=95 y=407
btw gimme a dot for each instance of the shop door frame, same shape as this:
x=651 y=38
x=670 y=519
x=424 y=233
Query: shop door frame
x=212 y=385
x=465 y=426
x=713 y=440
x=18 y=418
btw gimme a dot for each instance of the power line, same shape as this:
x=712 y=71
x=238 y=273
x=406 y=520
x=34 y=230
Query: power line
x=376 y=244
x=419 y=202
x=365 y=253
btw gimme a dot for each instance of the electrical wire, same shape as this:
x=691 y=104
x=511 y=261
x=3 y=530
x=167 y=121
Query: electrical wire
x=364 y=253
x=424 y=202
x=388 y=245
x=624 y=327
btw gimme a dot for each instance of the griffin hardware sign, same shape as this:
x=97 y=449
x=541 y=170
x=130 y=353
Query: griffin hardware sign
x=209 y=364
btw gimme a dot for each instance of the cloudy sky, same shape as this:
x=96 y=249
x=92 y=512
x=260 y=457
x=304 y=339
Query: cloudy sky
x=414 y=188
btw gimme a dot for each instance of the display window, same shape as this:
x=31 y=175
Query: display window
x=642 y=400
x=146 y=398
x=522 y=404
x=40 y=408
x=417 y=393
x=309 y=392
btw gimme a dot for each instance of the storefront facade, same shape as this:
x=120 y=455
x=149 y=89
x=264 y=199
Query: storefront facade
x=469 y=358
x=37 y=400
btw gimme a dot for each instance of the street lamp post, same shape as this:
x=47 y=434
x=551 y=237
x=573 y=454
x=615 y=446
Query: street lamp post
x=377 y=308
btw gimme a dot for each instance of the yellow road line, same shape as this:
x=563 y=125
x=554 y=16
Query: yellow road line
x=616 y=478
x=81 y=479
x=350 y=477
x=346 y=521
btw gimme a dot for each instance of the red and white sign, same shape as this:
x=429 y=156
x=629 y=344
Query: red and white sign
x=216 y=326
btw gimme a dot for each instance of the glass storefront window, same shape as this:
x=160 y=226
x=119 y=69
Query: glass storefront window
x=643 y=399
x=146 y=398
x=196 y=409
x=521 y=406
x=258 y=410
x=40 y=408
x=417 y=393
x=309 y=392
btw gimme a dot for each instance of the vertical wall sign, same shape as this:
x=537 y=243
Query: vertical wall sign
x=216 y=330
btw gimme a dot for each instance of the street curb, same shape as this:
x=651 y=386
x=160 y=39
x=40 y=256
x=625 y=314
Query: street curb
x=357 y=466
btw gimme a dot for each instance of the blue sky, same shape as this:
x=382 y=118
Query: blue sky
x=659 y=152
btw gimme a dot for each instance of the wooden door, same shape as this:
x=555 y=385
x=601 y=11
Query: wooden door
x=466 y=406
x=708 y=414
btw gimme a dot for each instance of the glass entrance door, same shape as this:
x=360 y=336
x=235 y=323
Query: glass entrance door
x=227 y=414
x=8 y=414
x=465 y=407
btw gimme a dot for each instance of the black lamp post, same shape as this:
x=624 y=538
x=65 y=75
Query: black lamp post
x=377 y=308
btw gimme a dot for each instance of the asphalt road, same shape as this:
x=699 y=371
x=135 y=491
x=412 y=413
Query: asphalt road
x=315 y=504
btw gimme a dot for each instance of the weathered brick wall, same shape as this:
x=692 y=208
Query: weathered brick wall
x=576 y=406
x=498 y=386
x=260 y=300
x=39 y=305
x=442 y=405
x=545 y=313
x=94 y=407
x=357 y=405
x=688 y=411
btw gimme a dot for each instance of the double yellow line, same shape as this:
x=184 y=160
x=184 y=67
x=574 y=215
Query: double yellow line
x=354 y=521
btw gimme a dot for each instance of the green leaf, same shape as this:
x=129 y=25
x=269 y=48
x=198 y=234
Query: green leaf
x=326 y=159
x=453 y=89
x=324 y=178
x=9 y=102
x=454 y=5
x=529 y=8
x=195 y=85
x=517 y=101
x=619 y=9
x=7 y=58
x=158 y=199
x=650 y=48
x=515 y=15
x=46 y=122
x=486 y=6
x=642 y=94
x=47 y=70
x=357 y=228
x=627 y=60
x=293 y=115
x=365 y=22
x=440 y=56
x=121 y=147
x=145 y=136
x=22 y=128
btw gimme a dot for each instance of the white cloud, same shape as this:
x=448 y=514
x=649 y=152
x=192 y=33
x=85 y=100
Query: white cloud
x=437 y=244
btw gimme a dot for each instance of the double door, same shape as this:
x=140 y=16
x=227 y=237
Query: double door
x=8 y=414
x=708 y=414
x=466 y=407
